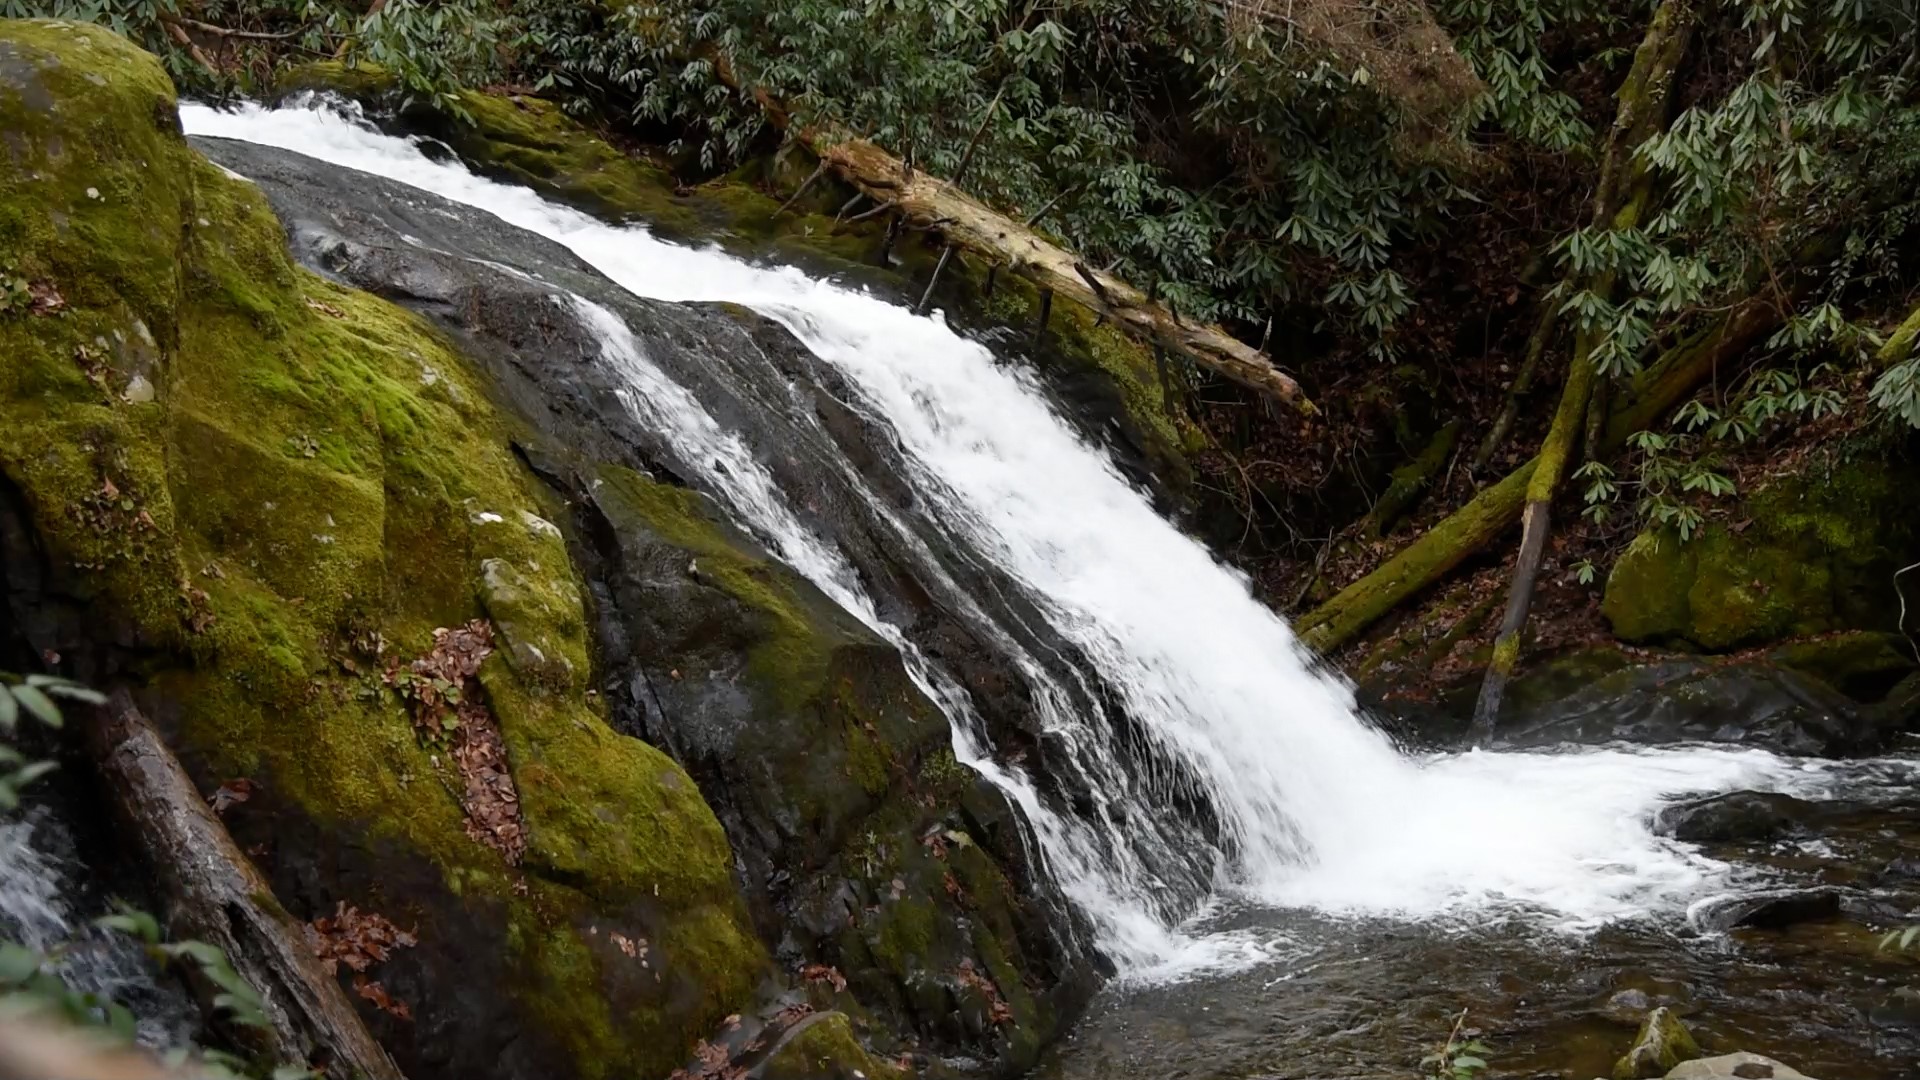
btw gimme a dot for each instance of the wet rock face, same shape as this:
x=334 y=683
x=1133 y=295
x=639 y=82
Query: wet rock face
x=1684 y=699
x=860 y=842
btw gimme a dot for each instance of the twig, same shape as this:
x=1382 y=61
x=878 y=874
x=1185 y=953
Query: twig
x=1903 y=608
x=1049 y=204
x=927 y=297
x=848 y=205
x=865 y=214
x=818 y=172
x=966 y=157
x=221 y=31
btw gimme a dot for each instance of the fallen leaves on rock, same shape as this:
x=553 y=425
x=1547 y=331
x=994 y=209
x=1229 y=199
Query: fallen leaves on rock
x=358 y=939
x=710 y=1062
x=998 y=1011
x=231 y=792
x=385 y=1002
x=821 y=973
x=448 y=711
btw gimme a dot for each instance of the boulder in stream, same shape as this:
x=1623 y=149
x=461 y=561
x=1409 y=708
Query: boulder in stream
x=1663 y=1043
x=1735 y=816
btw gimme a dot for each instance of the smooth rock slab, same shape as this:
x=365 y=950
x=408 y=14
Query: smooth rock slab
x=1741 y=1066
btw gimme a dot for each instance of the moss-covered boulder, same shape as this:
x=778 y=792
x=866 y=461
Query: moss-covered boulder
x=250 y=492
x=1805 y=555
x=1663 y=1043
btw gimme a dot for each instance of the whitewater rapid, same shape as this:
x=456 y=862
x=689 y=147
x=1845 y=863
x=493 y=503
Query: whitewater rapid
x=1321 y=811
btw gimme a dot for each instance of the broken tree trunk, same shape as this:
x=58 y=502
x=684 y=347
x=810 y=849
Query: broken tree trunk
x=1620 y=199
x=971 y=225
x=1657 y=389
x=214 y=894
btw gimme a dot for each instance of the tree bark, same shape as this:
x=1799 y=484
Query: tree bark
x=1619 y=201
x=1657 y=389
x=214 y=894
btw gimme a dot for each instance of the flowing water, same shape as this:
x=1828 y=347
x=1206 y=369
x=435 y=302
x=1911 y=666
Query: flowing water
x=1321 y=820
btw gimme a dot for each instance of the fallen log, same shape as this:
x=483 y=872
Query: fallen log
x=970 y=225
x=212 y=893
x=1660 y=387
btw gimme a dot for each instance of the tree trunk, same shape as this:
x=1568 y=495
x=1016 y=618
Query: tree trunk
x=215 y=895
x=1657 y=389
x=1620 y=200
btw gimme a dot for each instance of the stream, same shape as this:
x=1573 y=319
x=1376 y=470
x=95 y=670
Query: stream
x=1344 y=898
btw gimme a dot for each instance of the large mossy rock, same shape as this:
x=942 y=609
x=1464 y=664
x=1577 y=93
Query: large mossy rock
x=236 y=484
x=1806 y=555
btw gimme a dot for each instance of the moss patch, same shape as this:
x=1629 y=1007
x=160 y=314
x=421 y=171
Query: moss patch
x=1812 y=554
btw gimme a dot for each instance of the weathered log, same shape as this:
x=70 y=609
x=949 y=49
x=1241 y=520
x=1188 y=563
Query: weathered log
x=1620 y=199
x=212 y=893
x=972 y=226
x=1657 y=389
x=1899 y=344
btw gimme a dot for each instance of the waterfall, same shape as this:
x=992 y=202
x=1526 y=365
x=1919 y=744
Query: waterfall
x=1315 y=807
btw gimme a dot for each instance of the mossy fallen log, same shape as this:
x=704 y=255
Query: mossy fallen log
x=933 y=203
x=1657 y=389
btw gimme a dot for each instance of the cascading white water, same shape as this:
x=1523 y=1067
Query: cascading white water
x=1319 y=809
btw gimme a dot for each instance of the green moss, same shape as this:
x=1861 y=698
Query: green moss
x=1814 y=553
x=252 y=469
x=826 y=1049
x=1862 y=664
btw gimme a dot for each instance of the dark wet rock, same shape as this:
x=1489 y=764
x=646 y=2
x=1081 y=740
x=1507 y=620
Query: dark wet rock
x=1663 y=1043
x=1901 y=1009
x=1774 y=910
x=1739 y=815
x=1685 y=699
x=1864 y=665
x=1740 y=1066
x=1899 y=871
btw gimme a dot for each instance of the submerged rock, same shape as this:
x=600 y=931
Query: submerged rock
x=1739 y=815
x=1774 y=910
x=1663 y=1043
x=1740 y=1066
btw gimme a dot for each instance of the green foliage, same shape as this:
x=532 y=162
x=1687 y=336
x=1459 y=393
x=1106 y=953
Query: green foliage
x=1461 y=1057
x=31 y=979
